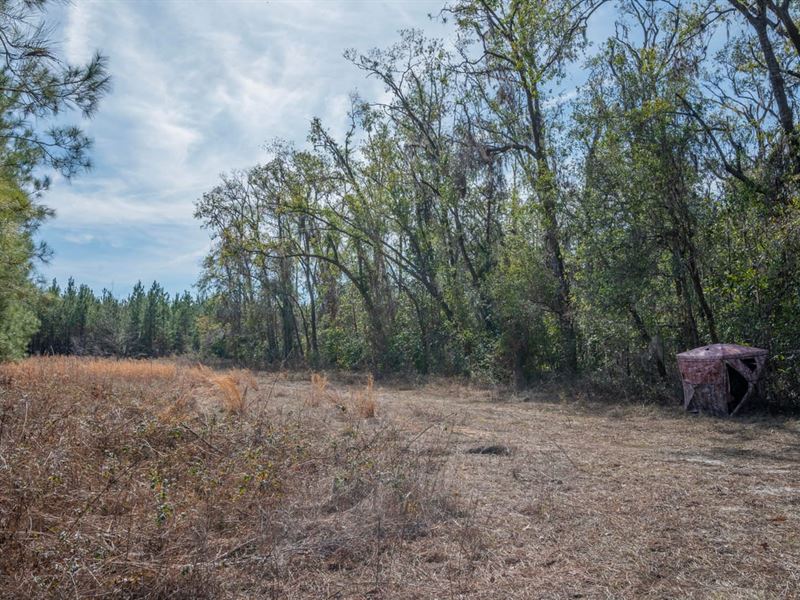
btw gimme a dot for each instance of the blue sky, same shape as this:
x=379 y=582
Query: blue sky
x=199 y=86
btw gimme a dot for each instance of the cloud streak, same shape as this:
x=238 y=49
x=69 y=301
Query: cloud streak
x=198 y=89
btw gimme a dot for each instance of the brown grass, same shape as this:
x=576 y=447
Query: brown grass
x=365 y=400
x=157 y=482
x=319 y=389
x=100 y=377
x=143 y=479
x=362 y=402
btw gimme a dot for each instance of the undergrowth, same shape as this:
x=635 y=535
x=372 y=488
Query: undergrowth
x=144 y=479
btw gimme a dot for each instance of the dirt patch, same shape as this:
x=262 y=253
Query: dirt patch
x=601 y=501
x=496 y=450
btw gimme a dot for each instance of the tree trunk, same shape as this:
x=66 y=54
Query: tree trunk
x=545 y=185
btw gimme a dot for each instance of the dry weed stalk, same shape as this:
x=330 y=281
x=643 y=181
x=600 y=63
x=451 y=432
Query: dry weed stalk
x=359 y=403
x=234 y=386
x=319 y=385
x=364 y=401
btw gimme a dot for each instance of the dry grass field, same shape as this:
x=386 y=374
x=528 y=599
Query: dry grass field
x=123 y=479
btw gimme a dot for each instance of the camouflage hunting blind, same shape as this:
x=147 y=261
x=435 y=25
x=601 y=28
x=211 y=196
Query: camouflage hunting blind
x=719 y=379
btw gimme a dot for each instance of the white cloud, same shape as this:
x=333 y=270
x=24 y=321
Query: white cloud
x=79 y=238
x=198 y=88
x=561 y=98
x=76 y=33
x=110 y=204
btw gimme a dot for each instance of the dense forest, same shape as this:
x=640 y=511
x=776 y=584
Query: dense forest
x=145 y=324
x=483 y=217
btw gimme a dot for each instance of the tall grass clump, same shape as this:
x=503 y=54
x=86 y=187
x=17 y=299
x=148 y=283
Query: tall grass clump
x=359 y=402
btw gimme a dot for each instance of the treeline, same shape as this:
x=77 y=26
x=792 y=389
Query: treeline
x=145 y=324
x=481 y=217
x=476 y=220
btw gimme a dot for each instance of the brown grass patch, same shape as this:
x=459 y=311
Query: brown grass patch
x=365 y=401
x=156 y=483
x=361 y=402
x=319 y=389
x=145 y=479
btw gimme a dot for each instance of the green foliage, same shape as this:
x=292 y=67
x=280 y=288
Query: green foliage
x=19 y=218
x=17 y=323
x=468 y=224
x=35 y=86
x=341 y=348
x=76 y=321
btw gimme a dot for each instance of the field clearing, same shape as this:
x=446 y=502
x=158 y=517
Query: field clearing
x=157 y=480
